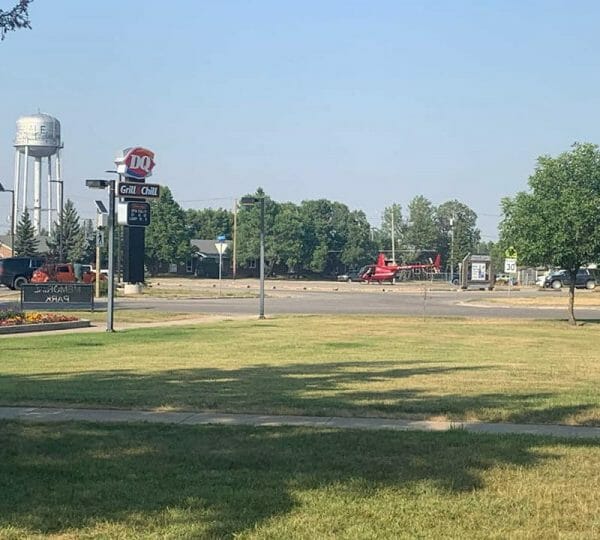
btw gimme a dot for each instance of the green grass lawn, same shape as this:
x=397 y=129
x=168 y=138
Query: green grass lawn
x=133 y=481
x=494 y=370
x=132 y=315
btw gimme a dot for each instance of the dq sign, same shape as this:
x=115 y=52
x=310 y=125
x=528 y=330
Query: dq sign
x=135 y=163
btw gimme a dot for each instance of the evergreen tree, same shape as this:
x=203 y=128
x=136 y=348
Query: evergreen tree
x=167 y=237
x=26 y=245
x=67 y=241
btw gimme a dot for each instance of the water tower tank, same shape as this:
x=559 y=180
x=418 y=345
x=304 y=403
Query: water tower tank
x=40 y=133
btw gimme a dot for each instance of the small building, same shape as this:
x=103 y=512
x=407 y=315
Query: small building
x=5 y=246
x=205 y=259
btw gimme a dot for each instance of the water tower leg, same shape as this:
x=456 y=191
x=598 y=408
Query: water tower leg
x=25 y=173
x=49 y=194
x=58 y=188
x=37 y=195
x=16 y=185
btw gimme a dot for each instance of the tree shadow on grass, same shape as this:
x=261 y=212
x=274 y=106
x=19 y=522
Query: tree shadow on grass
x=352 y=388
x=216 y=481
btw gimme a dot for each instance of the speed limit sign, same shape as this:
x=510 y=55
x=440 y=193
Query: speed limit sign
x=510 y=266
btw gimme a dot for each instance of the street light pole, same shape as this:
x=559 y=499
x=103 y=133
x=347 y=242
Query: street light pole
x=452 y=250
x=110 y=184
x=12 y=217
x=250 y=201
x=261 y=312
x=111 y=256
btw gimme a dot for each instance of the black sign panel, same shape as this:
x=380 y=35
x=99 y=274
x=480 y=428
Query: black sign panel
x=133 y=254
x=138 y=214
x=139 y=190
x=52 y=296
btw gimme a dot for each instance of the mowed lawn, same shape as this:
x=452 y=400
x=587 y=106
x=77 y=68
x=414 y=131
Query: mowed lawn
x=82 y=480
x=493 y=370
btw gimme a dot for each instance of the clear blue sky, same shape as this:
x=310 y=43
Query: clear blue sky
x=367 y=103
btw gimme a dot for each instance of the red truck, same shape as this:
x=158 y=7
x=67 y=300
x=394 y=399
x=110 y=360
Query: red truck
x=61 y=273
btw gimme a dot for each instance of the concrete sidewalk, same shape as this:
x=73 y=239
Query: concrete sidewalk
x=42 y=414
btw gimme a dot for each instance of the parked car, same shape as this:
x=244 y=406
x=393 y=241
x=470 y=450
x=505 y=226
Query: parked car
x=561 y=278
x=17 y=271
x=352 y=275
x=62 y=273
x=541 y=280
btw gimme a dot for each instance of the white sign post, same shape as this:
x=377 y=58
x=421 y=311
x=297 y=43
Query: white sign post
x=510 y=268
x=221 y=246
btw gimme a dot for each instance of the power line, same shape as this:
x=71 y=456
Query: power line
x=212 y=199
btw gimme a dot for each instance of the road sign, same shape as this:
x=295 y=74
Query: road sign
x=134 y=214
x=221 y=247
x=510 y=266
x=511 y=253
x=138 y=189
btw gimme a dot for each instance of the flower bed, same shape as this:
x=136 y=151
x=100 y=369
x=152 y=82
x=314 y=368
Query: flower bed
x=13 y=317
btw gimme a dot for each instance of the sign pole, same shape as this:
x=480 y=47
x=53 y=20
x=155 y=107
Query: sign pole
x=111 y=256
x=221 y=246
x=97 y=263
x=220 y=270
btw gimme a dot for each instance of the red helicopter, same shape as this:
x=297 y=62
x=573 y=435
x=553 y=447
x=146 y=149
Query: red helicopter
x=386 y=270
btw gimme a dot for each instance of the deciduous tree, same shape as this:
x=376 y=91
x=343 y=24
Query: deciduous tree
x=167 y=237
x=458 y=234
x=557 y=222
x=15 y=18
x=392 y=226
x=421 y=231
x=209 y=223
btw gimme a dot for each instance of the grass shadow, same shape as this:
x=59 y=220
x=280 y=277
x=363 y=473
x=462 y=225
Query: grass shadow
x=216 y=481
x=387 y=389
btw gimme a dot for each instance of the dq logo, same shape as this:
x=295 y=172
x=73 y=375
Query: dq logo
x=136 y=163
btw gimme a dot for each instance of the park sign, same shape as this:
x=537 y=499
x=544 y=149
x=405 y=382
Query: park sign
x=136 y=163
x=53 y=296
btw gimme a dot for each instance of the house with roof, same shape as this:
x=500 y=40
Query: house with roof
x=6 y=245
x=205 y=259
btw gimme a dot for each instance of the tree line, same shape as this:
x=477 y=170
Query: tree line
x=315 y=237
x=324 y=237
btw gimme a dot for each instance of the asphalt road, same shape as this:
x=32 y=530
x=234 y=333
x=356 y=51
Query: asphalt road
x=358 y=300
x=433 y=304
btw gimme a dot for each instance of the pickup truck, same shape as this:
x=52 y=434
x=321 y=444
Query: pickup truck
x=61 y=273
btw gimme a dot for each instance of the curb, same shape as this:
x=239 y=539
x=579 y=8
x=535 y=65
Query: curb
x=44 y=327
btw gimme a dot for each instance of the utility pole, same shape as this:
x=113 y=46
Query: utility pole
x=452 y=249
x=393 y=239
x=234 y=257
x=12 y=218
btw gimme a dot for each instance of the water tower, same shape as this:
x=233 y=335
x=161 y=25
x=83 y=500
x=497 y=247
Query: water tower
x=38 y=137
